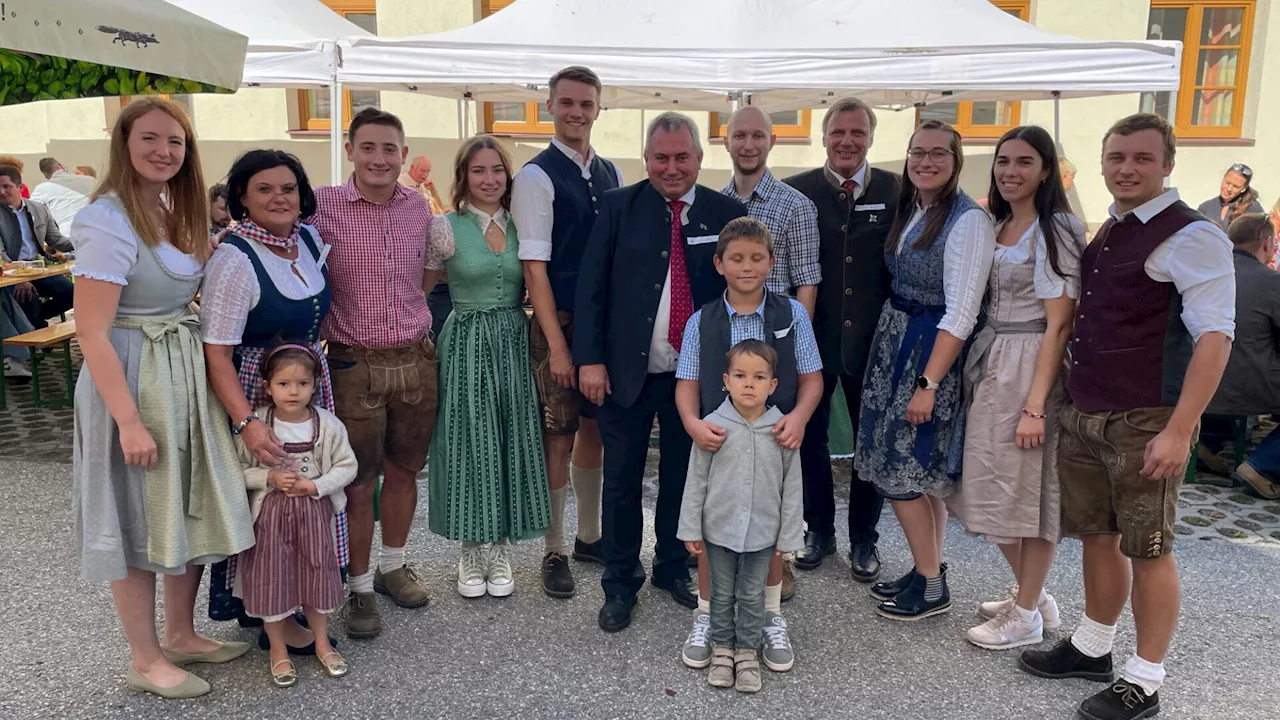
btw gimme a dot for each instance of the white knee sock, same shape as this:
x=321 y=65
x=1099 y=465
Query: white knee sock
x=390 y=559
x=360 y=583
x=587 y=484
x=773 y=598
x=553 y=541
x=1147 y=675
x=704 y=606
x=1093 y=638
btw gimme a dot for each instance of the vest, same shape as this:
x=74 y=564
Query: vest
x=1130 y=348
x=277 y=318
x=713 y=351
x=574 y=211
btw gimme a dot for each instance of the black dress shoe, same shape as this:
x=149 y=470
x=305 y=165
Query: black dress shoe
x=683 y=590
x=306 y=650
x=816 y=547
x=889 y=589
x=557 y=579
x=1065 y=661
x=616 y=613
x=864 y=562
x=588 y=552
x=910 y=605
x=1122 y=701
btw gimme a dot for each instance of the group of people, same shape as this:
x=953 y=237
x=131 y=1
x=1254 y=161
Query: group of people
x=254 y=431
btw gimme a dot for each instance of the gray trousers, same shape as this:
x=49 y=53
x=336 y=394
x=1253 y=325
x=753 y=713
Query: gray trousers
x=738 y=580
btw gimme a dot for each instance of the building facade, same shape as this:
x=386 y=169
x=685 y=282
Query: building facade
x=1230 y=89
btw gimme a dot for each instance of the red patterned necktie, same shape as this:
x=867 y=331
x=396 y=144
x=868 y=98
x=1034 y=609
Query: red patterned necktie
x=681 y=298
x=848 y=186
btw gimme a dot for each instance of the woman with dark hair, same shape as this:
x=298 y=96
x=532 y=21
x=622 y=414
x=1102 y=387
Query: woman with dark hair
x=911 y=428
x=267 y=284
x=1015 y=385
x=488 y=474
x=1235 y=198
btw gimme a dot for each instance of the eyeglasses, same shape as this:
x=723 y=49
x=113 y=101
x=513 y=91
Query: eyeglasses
x=936 y=155
x=1243 y=169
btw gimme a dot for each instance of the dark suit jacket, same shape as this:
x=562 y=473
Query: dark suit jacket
x=1251 y=383
x=623 y=271
x=48 y=237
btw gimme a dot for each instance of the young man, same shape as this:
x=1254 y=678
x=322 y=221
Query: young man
x=855 y=210
x=554 y=200
x=1153 y=332
x=28 y=232
x=382 y=362
x=745 y=257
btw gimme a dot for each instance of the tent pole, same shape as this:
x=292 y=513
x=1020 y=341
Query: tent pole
x=335 y=132
x=1057 y=119
x=461 y=135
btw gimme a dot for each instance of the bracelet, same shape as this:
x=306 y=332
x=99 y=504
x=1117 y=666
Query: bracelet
x=1034 y=416
x=239 y=428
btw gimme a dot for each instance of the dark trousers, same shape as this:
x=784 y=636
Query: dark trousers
x=54 y=296
x=625 y=433
x=440 y=303
x=815 y=464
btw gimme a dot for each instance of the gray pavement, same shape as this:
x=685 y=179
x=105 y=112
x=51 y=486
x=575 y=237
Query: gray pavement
x=529 y=656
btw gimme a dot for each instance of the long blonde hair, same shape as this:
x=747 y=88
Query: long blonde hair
x=186 y=202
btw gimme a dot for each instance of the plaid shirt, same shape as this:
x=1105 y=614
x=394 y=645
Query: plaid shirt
x=375 y=267
x=750 y=327
x=792 y=219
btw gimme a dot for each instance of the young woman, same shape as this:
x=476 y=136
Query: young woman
x=488 y=476
x=1235 y=198
x=911 y=428
x=158 y=486
x=1015 y=386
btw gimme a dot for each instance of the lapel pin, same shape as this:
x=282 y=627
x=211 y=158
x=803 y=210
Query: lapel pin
x=871 y=218
x=701 y=226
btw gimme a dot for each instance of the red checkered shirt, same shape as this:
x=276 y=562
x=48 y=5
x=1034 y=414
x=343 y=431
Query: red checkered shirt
x=375 y=267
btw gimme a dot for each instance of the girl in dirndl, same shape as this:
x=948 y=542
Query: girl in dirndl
x=294 y=563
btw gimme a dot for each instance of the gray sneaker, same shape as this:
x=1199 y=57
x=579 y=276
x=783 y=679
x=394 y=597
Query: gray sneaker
x=697 y=649
x=778 y=655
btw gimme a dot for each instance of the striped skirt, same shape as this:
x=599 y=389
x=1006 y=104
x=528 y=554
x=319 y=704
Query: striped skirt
x=293 y=564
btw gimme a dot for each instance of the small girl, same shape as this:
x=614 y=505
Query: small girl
x=742 y=504
x=294 y=562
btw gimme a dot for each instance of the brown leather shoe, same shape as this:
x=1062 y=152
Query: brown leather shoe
x=788 y=578
x=1256 y=480
x=363 y=620
x=402 y=586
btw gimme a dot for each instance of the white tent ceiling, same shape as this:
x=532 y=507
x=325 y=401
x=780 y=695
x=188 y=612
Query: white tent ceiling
x=783 y=54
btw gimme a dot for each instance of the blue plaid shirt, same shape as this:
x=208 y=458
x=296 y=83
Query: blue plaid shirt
x=792 y=219
x=751 y=327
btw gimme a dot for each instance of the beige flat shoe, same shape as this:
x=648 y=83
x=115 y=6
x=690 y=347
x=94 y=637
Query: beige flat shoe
x=226 y=652
x=189 y=688
x=284 y=678
x=334 y=665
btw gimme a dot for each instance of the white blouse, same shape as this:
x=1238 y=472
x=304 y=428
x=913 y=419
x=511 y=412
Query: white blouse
x=1049 y=284
x=107 y=247
x=231 y=287
x=966 y=265
x=440 y=243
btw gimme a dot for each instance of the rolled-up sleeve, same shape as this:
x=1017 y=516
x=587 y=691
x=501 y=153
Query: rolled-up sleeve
x=803 y=241
x=966 y=265
x=690 y=350
x=532 y=195
x=1197 y=260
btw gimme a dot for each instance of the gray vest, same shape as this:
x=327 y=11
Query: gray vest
x=713 y=339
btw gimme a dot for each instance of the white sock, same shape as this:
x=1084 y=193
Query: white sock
x=773 y=598
x=587 y=486
x=1093 y=638
x=360 y=583
x=1027 y=616
x=1044 y=597
x=704 y=605
x=553 y=540
x=1147 y=675
x=390 y=559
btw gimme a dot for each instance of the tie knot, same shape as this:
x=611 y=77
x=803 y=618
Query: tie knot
x=848 y=185
x=676 y=205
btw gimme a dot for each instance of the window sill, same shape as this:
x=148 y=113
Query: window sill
x=780 y=141
x=1216 y=142
x=309 y=133
x=980 y=141
x=523 y=136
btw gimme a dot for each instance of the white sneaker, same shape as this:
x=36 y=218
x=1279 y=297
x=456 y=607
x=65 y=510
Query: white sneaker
x=1048 y=609
x=1008 y=631
x=501 y=583
x=696 y=652
x=471 y=564
x=14 y=368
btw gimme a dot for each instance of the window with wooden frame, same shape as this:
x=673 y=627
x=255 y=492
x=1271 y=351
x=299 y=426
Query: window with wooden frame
x=314 y=111
x=514 y=118
x=786 y=124
x=1215 y=37
x=986 y=119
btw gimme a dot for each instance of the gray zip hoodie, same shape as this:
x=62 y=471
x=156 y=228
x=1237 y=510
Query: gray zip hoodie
x=748 y=495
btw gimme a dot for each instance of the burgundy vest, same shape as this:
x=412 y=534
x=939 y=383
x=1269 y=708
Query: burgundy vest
x=1130 y=348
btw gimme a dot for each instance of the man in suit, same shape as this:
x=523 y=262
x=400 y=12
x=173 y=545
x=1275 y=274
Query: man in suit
x=855 y=210
x=28 y=232
x=649 y=262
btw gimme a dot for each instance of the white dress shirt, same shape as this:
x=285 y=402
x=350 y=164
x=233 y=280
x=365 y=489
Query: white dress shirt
x=663 y=357
x=859 y=179
x=532 y=195
x=1197 y=260
x=966 y=268
x=65 y=195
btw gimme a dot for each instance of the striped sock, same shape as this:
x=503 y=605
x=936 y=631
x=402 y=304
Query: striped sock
x=933 y=589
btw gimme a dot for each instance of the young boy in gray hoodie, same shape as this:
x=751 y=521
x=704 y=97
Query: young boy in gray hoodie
x=742 y=505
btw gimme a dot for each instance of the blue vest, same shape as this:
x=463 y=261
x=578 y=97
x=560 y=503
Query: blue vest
x=713 y=346
x=917 y=274
x=278 y=318
x=576 y=205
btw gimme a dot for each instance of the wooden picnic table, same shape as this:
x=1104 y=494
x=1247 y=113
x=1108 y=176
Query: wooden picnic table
x=8 y=280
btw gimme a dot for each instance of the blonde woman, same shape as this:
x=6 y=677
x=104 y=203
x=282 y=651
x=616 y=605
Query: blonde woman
x=158 y=486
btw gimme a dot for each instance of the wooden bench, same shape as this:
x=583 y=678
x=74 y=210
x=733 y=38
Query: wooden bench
x=53 y=341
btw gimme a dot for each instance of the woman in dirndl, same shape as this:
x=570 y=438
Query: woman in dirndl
x=267 y=284
x=158 y=485
x=911 y=427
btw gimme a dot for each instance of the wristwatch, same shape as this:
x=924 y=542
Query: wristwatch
x=240 y=426
x=925 y=383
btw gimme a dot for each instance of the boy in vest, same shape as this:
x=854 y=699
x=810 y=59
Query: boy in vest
x=744 y=256
x=554 y=202
x=1152 y=335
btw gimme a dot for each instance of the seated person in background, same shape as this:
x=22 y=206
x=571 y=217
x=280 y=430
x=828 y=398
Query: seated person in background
x=17 y=162
x=1235 y=198
x=63 y=193
x=28 y=232
x=1250 y=385
x=14 y=322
